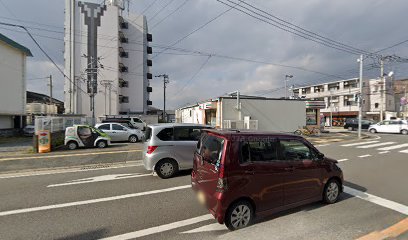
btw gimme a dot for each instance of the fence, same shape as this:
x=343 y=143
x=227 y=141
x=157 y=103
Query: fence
x=57 y=124
x=240 y=124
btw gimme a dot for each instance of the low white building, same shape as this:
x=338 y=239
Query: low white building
x=13 y=83
x=248 y=112
x=106 y=53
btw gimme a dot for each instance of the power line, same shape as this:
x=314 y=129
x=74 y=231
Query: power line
x=8 y=9
x=195 y=74
x=161 y=9
x=168 y=15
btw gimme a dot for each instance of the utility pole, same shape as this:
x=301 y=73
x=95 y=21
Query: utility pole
x=165 y=82
x=106 y=84
x=382 y=88
x=360 y=99
x=286 y=85
x=50 y=85
x=331 y=108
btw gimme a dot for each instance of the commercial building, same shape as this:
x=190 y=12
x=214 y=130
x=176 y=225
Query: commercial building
x=106 y=55
x=401 y=97
x=251 y=112
x=13 y=81
x=341 y=102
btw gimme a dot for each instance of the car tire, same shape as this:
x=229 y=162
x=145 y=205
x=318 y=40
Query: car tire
x=239 y=215
x=331 y=191
x=350 y=128
x=404 y=131
x=166 y=168
x=101 y=144
x=133 y=139
x=372 y=130
x=72 y=145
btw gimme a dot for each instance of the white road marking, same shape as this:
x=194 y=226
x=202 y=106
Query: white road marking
x=377 y=200
x=69 y=155
x=342 y=160
x=358 y=143
x=393 y=147
x=322 y=145
x=404 y=151
x=109 y=177
x=59 y=171
x=384 y=152
x=98 y=200
x=376 y=145
x=208 y=228
x=161 y=228
x=364 y=156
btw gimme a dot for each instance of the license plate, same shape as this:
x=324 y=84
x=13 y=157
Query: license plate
x=201 y=197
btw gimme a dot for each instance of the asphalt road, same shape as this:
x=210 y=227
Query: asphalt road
x=127 y=202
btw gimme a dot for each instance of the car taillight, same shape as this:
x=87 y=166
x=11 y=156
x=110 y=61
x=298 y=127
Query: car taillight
x=222 y=182
x=150 y=149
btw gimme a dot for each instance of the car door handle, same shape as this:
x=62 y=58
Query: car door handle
x=289 y=169
x=250 y=172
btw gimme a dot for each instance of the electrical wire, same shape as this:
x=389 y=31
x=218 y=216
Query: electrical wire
x=195 y=74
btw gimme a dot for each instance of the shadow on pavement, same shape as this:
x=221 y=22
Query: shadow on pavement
x=355 y=186
x=96 y=234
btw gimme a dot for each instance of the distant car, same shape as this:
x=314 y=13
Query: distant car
x=390 y=126
x=85 y=136
x=352 y=124
x=135 y=121
x=120 y=133
x=170 y=147
x=29 y=130
x=242 y=175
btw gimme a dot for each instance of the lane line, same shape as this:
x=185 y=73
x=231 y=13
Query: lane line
x=384 y=152
x=359 y=143
x=208 y=228
x=342 y=160
x=376 y=145
x=161 y=228
x=364 y=156
x=404 y=151
x=98 y=200
x=69 y=155
x=393 y=147
x=377 y=200
x=50 y=172
x=104 y=178
x=322 y=145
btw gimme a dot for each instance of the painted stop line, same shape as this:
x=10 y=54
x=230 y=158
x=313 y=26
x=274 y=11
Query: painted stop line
x=103 y=178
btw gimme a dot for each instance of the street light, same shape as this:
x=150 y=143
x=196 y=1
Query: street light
x=286 y=85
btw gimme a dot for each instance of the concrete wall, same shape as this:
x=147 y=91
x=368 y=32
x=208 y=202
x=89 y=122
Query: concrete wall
x=272 y=115
x=6 y=122
x=12 y=80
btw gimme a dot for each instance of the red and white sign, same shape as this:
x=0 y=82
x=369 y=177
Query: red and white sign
x=208 y=105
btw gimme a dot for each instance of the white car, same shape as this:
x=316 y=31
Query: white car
x=119 y=132
x=390 y=126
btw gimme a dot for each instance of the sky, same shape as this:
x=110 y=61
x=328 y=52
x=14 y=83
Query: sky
x=259 y=50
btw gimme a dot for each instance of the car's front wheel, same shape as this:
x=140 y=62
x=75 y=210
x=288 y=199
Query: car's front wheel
x=166 y=168
x=331 y=191
x=404 y=131
x=101 y=144
x=239 y=215
x=133 y=139
x=372 y=130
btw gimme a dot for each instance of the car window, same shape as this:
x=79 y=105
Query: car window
x=259 y=151
x=211 y=148
x=294 y=150
x=137 y=120
x=104 y=127
x=187 y=133
x=166 y=134
x=117 y=127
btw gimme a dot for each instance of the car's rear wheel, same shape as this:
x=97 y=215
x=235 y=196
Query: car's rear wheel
x=404 y=131
x=239 y=215
x=101 y=144
x=372 y=130
x=350 y=128
x=166 y=168
x=72 y=145
x=331 y=191
x=133 y=139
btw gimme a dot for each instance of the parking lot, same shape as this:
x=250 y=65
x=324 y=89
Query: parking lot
x=127 y=202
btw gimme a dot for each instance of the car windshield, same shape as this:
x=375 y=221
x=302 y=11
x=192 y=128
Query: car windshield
x=211 y=148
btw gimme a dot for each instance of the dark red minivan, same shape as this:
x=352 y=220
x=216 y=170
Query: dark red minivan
x=240 y=175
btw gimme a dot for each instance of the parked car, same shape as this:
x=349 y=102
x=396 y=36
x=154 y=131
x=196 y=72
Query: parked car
x=85 y=136
x=352 y=124
x=120 y=133
x=390 y=126
x=170 y=147
x=29 y=130
x=135 y=121
x=240 y=175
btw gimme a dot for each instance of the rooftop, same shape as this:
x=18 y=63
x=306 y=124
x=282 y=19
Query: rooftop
x=16 y=45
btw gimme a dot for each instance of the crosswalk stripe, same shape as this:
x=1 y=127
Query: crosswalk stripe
x=393 y=147
x=376 y=145
x=404 y=151
x=359 y=143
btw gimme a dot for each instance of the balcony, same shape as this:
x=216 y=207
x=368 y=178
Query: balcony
x=149 y=76
x=123 y=83
x=123 y=99
x=149 y=37
x=123 y=68
x=149 y=50
x=122 y=37
x=149 y=89
x=149 y=103
x=149 y=62
x=122 y=23
x=123 y=53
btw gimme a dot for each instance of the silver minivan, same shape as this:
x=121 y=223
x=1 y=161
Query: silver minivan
x=119 y=132
x=170 y=147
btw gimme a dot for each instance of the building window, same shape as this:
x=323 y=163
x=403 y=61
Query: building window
x=123 y=84
x=376 y=105
x=123 y=99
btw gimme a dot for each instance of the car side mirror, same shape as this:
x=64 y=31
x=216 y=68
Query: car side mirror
x=320 y=156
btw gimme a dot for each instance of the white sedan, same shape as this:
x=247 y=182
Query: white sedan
x=390 y=126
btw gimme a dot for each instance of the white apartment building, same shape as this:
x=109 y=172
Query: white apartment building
x=106 y=53
x=13 y=81
x=341 y=103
